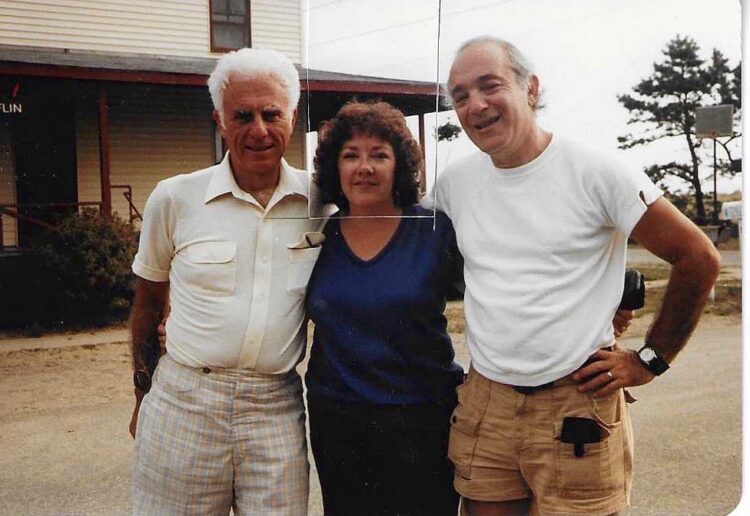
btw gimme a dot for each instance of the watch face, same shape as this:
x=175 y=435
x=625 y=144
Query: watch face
x=142 y=380
x=647 y=354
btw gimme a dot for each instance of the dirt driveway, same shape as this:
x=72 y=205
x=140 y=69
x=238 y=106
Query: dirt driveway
x=65 y=447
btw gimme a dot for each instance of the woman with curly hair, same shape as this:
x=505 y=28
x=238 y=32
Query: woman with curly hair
x=381 y=378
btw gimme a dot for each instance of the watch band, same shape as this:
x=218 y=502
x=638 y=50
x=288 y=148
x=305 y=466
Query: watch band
x=652 y=360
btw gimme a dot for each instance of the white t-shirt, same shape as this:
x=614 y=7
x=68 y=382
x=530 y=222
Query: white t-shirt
x=544 y=249
x=237 y=272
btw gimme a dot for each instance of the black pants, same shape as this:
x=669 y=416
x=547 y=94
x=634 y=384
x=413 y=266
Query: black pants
x=383 y=460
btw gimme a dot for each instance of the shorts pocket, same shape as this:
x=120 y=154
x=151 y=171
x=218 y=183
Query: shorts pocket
x=601 y=469
x=608 y=410
x=301 y=263
x=170 y=378
x=463 y=439
x=212 y=267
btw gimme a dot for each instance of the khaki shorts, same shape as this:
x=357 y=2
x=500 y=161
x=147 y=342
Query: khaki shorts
x=505 y=446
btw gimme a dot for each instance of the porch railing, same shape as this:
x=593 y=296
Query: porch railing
x=133 y=212
x=12 y=211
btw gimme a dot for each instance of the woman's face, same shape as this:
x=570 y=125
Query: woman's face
x=367 y=168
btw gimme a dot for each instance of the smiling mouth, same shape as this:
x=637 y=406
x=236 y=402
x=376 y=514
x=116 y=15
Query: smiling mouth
x=259 y=148
x=486 y=122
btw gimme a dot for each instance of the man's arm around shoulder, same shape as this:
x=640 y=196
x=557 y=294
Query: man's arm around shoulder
x=149 y=304
x=668 y=234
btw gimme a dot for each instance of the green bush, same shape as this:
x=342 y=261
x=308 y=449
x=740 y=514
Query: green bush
x=84 y=273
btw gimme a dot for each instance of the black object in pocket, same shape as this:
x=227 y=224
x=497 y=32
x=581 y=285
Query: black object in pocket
x=579 y=431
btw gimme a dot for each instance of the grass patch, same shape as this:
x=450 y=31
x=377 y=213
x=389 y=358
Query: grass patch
x=454 y=312
x=733 y=244
x=727 y=299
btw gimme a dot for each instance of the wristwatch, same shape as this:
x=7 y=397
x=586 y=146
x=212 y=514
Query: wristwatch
x=651 y=359
x=142 y=380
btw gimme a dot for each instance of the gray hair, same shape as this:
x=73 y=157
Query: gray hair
x=253 y=62
x=520 y=65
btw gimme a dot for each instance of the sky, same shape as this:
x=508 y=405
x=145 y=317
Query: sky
x=585 y=53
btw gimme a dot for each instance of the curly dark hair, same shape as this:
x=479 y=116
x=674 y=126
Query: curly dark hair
x=376 y=119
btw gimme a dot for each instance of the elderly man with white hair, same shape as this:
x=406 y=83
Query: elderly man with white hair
x=230 y=248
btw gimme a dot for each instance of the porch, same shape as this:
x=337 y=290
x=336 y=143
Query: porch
x=99 y=130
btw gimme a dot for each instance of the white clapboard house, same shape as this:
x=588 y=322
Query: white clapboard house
x=100 y=99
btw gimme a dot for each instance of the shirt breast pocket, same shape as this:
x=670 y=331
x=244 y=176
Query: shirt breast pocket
x=212 y=267
x=300 y=267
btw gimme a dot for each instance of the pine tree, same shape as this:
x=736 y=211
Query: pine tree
x=663 y=106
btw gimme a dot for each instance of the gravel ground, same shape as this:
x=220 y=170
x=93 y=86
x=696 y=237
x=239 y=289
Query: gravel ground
x=66 y=450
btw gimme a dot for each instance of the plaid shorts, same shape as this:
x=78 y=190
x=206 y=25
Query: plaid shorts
x=211 y=439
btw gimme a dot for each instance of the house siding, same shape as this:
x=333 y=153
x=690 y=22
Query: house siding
x=154 y=133
x=277 y=24
x=164 y=27
x=87 y=144
x=7 y=185
x=295 y=150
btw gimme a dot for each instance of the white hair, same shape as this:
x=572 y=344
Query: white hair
x=253 y=62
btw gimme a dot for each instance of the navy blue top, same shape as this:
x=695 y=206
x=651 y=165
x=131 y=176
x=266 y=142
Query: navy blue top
x=380 y=334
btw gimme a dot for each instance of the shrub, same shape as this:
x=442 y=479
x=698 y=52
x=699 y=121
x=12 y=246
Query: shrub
x=84 y=270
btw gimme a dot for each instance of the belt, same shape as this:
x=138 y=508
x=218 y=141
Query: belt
x=565 y=380
x=524 y=389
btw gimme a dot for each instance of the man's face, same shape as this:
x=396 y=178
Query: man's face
x=257 y=123
x=493 y=108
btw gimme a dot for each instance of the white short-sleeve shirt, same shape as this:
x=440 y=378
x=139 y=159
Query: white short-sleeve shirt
x=237 y=272
x=544 y=248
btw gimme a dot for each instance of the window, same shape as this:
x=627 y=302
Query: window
x=230 y=24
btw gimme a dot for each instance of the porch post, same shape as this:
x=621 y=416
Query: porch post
x=104 y=172
x=423 y=170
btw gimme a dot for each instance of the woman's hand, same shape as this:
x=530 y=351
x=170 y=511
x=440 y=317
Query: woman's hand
x=621 y=322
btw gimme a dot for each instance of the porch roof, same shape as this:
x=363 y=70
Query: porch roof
x=326 y=89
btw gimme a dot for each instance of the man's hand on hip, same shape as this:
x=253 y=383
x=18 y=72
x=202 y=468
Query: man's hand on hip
x=611 y=370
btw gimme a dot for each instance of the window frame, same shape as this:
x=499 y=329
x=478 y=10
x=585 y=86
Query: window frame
x=211 y=29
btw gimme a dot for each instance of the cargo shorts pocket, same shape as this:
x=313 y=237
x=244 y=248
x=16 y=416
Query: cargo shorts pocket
x=600 y=470
x=463 y=437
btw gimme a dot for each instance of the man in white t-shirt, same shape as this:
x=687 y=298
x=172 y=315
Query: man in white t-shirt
x=542 y=224
x=231 y=247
